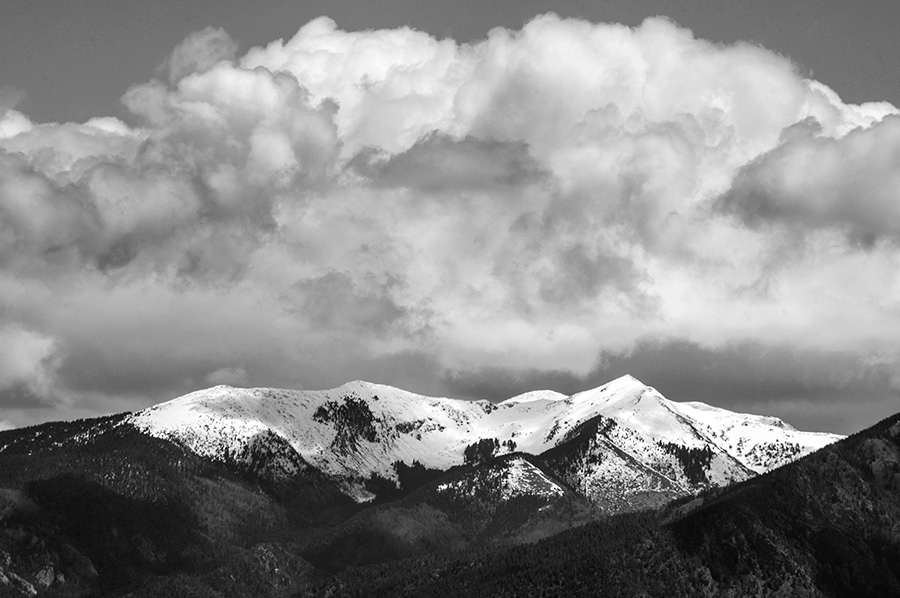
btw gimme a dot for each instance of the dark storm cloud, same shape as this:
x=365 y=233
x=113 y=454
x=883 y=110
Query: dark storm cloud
x=20 y=396
x=561 y=273
x=823 y=391
x=93 y=369
x=582 y=273
x=812 y=181
x=555 y=260
x=744 y=372
x=334 y=303
x=438 y=163
x=828 y=390
x=498 y=384
x=415 y=371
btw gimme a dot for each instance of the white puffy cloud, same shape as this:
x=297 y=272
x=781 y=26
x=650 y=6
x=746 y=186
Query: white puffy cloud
x=386 y=205
x=200 y=51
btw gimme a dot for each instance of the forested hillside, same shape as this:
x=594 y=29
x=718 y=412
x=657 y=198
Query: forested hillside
x=828 y=525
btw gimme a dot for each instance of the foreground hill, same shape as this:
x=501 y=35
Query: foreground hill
x=96 y=507
x=826 y=525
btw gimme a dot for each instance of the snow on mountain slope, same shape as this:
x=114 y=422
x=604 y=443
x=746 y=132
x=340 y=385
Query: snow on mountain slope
x=349 y=432
x=524 y=479
x=510 y=478
x=613 y=479
x=360 y=429
x=760 y=443
x=652 y=430
x=535 y=395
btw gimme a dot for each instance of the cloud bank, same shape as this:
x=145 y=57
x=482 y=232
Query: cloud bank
x=547 y=206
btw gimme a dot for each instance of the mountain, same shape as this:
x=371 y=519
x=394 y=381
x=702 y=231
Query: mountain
x=505 y=501
x=229 y=492
x=640 y=442
x=827 y=525
x=95 y=507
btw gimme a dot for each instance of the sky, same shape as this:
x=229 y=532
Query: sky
x=459 y=199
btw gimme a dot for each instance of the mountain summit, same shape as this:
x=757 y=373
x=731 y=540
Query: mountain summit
x=611 y=443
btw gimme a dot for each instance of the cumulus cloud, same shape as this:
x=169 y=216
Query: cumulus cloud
x=389 y=206
x=200 y=51
x=813 y=181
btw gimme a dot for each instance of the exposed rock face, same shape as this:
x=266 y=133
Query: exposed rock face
x=15 y=585
x=31 y=562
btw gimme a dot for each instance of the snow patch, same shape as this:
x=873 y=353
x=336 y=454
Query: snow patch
x=524 y=479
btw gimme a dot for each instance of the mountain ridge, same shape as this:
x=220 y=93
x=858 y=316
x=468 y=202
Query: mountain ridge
x=318 y=482
x=826 y=525
x=361 y=429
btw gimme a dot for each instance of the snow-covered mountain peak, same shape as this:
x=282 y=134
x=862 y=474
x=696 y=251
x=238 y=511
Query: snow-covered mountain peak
x=622 y=388
x=364 y=386
x=360 y=428
x=625 y=381
x=535 y=395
